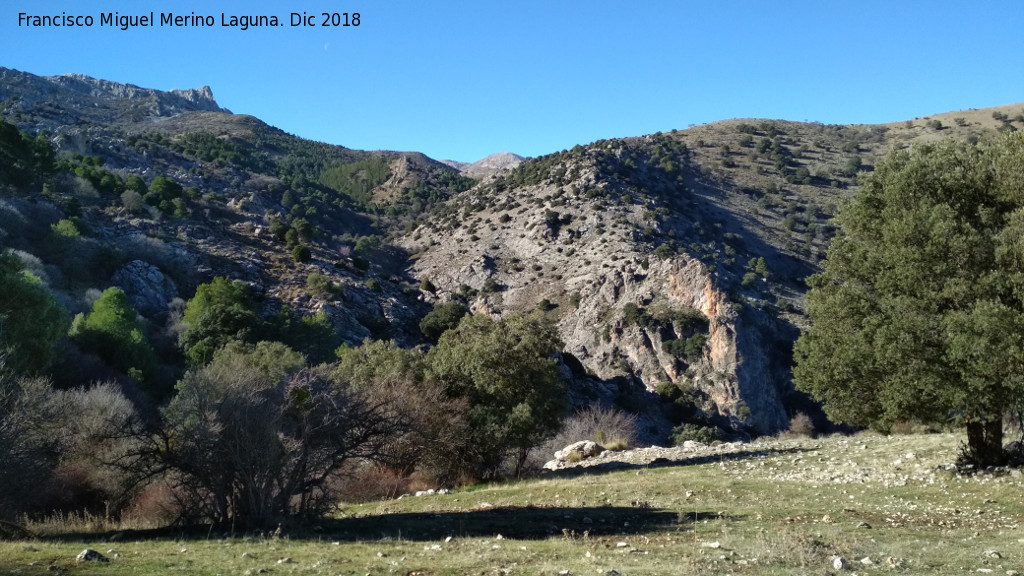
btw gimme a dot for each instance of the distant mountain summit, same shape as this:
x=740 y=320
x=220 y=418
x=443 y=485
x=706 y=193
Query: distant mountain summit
x=493 y=163
x=488 y=166
x=75 y=98
x=196 y=99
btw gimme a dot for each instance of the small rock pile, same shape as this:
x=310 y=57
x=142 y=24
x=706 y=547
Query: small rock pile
x=573 y=454
x=588 y=454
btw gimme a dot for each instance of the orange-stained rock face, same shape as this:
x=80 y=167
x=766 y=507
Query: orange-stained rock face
x=735 y=370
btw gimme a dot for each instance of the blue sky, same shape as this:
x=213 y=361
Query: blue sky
x=464 y=79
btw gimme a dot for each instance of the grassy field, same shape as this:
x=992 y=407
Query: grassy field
x=885 y=505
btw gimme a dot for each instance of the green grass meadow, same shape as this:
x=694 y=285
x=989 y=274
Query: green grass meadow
x=885 y=505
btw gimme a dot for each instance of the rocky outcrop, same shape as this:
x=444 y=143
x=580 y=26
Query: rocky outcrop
x=105 y=94
x=579 y=450
x=586 y=268
x=148 y=289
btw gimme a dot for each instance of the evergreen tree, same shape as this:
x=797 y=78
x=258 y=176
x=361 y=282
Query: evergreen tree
x=220 y=312
x=507 y=372
x=919 y=312
x=112 y=331
x=443 y=317
x=32 y=323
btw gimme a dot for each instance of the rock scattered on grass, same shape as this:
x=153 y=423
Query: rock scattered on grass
x=89 y=555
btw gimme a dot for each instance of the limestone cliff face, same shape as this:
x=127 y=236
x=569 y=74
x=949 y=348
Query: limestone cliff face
x=737 y=371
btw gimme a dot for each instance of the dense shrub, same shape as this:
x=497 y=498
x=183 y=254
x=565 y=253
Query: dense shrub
x=443 y=317
x=26 y=446
x=23 y=159
x=252 y=440
x=435 y=443
x=507 y=373
x=64 y=449
x=32 y=321
x=301 y=253
x=697 y=432
x=111 y=331
x=694 y=347
x=314 y=336
x=220 y=312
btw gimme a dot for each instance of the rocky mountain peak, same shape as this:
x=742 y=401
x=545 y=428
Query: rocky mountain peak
x=199 y=100
x=58 y=102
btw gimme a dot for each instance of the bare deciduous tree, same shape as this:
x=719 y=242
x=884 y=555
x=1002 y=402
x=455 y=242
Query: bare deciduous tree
x=244 y=444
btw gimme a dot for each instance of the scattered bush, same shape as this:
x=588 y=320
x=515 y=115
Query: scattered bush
x=301 y=253
x=491 y=286
x=322 y=285
x=703 y=433
x=664 y=251
x=802 y=425
x=574 y=299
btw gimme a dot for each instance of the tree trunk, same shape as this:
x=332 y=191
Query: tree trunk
x=985 y=442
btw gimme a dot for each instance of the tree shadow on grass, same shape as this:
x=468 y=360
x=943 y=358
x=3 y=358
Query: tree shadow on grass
x=519 y=522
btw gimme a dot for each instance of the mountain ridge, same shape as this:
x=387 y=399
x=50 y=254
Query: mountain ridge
x=672 y=263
